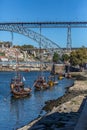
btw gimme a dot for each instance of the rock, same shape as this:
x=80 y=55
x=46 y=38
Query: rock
x=38 y=127
x=63 y=112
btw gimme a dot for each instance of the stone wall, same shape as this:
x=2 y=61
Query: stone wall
x=59 y=68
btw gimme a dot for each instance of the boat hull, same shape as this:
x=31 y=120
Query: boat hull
x=20 y=94
x=41 y=86
x=17 y=95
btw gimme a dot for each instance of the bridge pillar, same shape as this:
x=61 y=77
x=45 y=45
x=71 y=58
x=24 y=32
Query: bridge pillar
x=69 y=40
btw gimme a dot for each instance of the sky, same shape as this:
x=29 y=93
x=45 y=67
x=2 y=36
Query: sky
x=45 y=10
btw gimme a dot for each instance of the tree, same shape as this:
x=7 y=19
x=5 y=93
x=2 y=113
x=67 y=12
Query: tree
x=24 y=46
x=55 y=57
x=78 y=57
x=27 y=46
x=65 y=57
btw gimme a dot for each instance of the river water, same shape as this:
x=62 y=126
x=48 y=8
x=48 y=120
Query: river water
x=15 y=113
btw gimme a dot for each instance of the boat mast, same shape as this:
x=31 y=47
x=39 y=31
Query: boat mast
x=16 y=54
x=17 y=63
x=40 y=53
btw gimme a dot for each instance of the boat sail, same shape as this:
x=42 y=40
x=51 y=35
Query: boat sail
x=17 y=85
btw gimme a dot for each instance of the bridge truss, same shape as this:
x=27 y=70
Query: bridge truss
x=25 y=28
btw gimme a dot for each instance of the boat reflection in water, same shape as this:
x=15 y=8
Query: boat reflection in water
x=17 y=111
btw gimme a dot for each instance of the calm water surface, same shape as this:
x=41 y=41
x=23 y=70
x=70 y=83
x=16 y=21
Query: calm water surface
x=15 y=113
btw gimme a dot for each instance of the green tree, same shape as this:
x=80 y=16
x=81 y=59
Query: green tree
x=2 y=53
x=24 y=46
x=78 y=57
x=65 y=57
x=55 y=57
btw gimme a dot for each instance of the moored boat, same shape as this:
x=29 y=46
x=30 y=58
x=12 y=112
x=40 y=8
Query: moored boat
x=40 y=84
x=18 y=89
x=52 y=80
x=60 y=77
x=17 y=85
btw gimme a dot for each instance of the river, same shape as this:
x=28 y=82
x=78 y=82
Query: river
x=15 y=113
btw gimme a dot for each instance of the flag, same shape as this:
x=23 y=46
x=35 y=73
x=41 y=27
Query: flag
x=23 y=78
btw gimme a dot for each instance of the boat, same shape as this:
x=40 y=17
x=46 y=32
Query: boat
x=60 y=76
x=26 y=70
x=52 y=80
x=18 y=88
x=17 y=85
x=40 y=84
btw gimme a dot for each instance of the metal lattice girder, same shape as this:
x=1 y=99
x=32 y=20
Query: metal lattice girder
x=48 y=24
x=24 y=28
x=21 y=29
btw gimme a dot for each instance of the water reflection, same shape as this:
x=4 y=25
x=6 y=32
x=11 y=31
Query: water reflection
x=17 y=110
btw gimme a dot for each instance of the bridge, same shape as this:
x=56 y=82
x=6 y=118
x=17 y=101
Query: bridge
x=25 y=28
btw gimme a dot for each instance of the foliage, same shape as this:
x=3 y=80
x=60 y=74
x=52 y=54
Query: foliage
x=78 y=57
x=55 y=57
x=6 y=44
x=24 y=47
x=2 y=53
x=65 y=57
x=1 y=43
x=27 y=46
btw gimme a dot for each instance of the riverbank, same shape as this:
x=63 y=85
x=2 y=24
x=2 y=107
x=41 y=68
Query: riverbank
x=25 y=68
x=63 y=113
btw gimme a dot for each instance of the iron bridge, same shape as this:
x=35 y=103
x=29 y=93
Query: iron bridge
x=25 y=28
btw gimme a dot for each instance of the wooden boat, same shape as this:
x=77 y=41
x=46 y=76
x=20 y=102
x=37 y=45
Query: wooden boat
x=17 y=88
x=52 y=81
x=26 y=70
x=40 y=84
x=60 y=77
